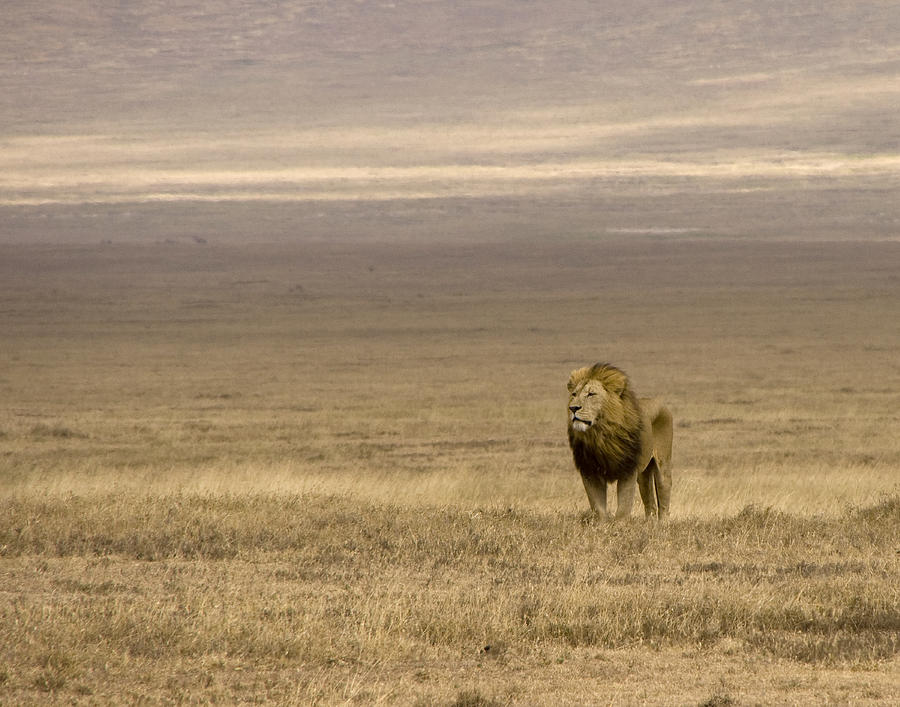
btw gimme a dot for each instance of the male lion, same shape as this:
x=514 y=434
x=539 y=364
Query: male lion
x=617 y=438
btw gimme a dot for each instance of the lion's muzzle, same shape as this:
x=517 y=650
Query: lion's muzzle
x=580 y=425
x=574 y=410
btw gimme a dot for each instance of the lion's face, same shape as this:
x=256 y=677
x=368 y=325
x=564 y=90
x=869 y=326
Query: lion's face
x=586 y=404
x=592 y=397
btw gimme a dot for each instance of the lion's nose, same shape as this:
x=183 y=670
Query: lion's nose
x=574 y=408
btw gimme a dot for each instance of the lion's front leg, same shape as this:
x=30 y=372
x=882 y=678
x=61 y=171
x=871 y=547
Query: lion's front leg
x=625 y=496
x=596 y=493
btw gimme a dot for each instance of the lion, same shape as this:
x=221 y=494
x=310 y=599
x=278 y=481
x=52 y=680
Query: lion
x=619 y=438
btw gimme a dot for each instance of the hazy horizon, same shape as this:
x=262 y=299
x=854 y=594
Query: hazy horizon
x=235 y=101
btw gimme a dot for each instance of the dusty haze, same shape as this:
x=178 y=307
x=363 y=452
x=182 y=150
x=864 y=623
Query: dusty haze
x=593 y=107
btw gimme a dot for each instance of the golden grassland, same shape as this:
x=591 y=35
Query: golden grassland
x=289 y=294
x=310 y=597
x=336 y=472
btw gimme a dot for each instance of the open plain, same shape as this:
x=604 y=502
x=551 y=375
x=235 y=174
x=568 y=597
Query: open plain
x=328 y=471
x=289 y=295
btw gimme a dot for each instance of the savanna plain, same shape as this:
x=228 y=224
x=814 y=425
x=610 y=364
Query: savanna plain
x=289 y=296
x=327 y=471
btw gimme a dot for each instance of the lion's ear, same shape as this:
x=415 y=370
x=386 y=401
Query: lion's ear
x=576 y=377
x=616 y=384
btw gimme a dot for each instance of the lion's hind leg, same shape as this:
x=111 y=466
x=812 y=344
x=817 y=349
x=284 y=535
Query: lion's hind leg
x=662 y=477
x=647 y=485
x=655 y=483
x=660 y=466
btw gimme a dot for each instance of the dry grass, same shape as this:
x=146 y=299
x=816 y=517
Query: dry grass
x=107 y=587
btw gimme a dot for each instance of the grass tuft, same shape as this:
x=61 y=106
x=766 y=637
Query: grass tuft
x=57 y=431
x=718 y=701
x=57 y=668
x=473 y=698
x=885 y=510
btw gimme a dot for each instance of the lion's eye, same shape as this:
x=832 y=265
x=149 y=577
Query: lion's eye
x=591 y=394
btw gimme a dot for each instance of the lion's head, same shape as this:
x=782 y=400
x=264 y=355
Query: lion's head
x=604 y=421
x=595 y=393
